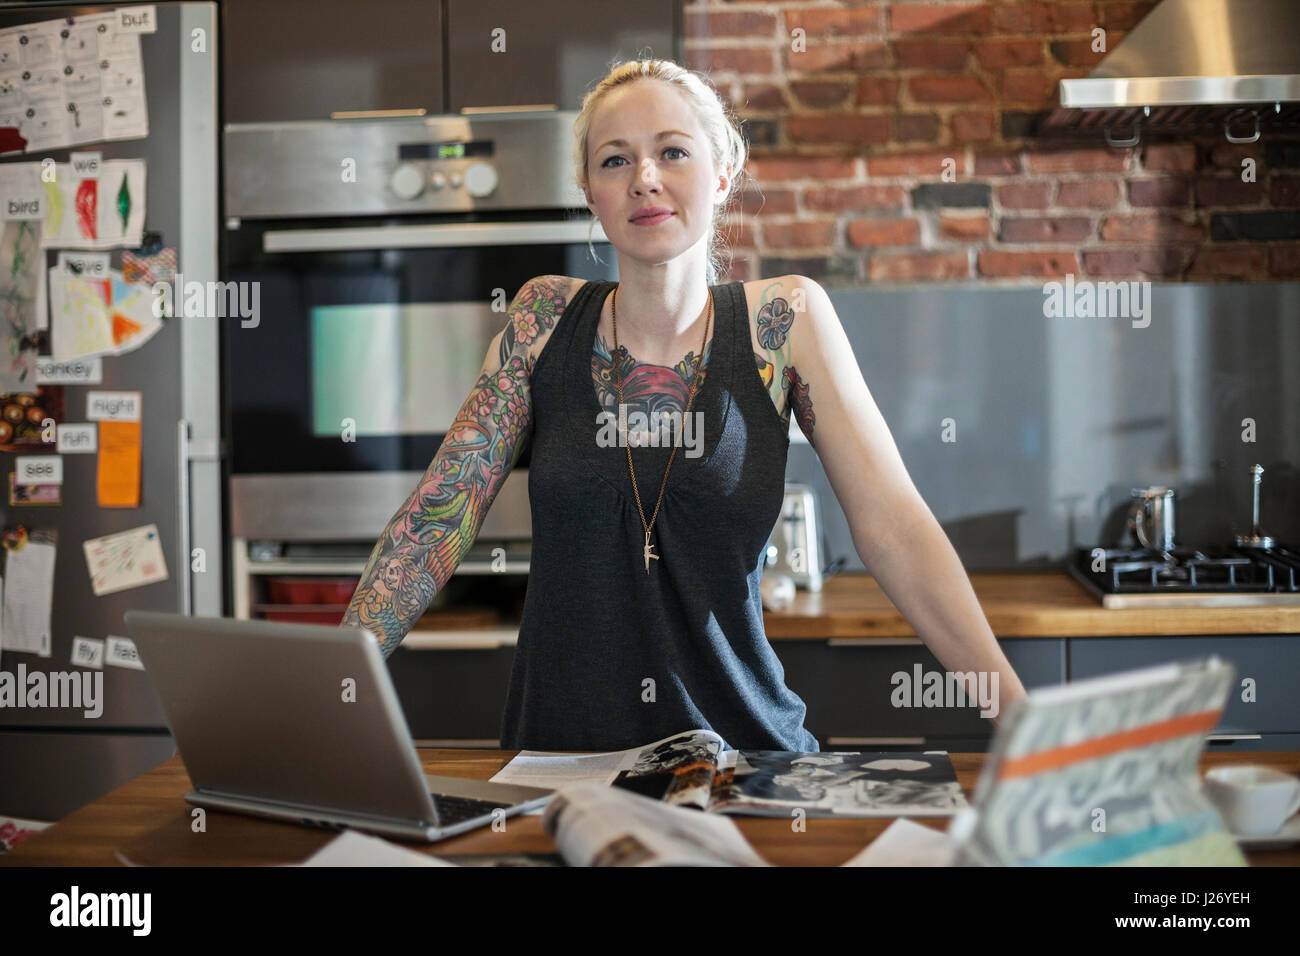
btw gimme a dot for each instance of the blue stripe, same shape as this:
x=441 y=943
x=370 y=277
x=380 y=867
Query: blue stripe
x=1112 y=849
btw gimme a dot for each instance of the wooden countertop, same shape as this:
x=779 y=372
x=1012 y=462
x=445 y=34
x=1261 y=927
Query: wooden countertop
x=1017 y=604
x=148 y=821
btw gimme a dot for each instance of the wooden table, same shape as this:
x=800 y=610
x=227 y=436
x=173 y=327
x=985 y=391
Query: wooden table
x=148 y=821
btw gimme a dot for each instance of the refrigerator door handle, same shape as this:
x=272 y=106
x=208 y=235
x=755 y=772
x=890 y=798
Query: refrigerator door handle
x=183 y=477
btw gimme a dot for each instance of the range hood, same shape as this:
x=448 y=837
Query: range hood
x=1231 y=66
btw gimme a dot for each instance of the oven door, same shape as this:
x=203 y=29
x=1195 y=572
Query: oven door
x=368 y=336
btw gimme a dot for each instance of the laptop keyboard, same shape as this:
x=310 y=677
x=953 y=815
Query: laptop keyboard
x=453 y=810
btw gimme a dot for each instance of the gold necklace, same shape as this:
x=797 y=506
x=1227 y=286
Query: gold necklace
x=645 y=552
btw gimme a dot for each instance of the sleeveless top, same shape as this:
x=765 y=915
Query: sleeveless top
x=610 y=657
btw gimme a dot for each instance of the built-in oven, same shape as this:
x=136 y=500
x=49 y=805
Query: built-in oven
x=381 y=256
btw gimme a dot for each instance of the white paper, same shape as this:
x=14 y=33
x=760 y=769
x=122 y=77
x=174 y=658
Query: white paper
x=76 y=438
x=119 y=188
x=905 y=843
x=535 y=768
x=127 y=559
x=86 y=63
x=121 y=652
x=83 y=311
x=350 y=848
x=87 y=652
x=28 y=598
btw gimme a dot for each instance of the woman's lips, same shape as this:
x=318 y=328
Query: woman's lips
x=651 y=220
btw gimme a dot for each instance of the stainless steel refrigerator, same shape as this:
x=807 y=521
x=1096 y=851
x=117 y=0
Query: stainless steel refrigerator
x=55 y=760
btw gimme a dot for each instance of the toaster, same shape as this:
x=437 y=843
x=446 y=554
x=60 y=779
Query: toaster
x=794 y=547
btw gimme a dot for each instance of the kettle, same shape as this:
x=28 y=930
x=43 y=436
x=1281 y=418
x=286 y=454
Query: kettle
x=1151 y=518
x=794 y=547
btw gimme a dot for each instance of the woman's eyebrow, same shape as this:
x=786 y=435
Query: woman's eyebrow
x=623 y=142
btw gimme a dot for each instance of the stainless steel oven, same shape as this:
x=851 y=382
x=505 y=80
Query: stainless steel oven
x=385 y=253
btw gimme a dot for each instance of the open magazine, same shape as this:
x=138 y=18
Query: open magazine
x=691 y=769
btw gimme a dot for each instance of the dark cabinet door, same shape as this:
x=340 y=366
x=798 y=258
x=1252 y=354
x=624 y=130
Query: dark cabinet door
x=507 y=53
x=307 y=59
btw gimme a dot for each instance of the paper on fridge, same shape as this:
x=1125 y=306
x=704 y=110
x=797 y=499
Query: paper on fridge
x=22 y=290
x=93 y=316
x=72 y=80
x=128 y=559
x=29 y=595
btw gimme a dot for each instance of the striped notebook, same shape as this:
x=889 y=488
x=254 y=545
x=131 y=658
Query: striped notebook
x=1103 y=772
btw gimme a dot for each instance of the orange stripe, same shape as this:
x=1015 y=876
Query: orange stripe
x=1109 y=744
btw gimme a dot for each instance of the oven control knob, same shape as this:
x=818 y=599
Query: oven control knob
x=407 y=181
x=480 y=179
x=438 y=180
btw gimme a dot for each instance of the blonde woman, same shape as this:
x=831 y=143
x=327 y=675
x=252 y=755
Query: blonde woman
x=658 y=410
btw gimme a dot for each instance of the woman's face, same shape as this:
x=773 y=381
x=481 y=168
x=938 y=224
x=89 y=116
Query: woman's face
x=674 y=171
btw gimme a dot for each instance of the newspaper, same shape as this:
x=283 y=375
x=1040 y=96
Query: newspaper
x=693 y=769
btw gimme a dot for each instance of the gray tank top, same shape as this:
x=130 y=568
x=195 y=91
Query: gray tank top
x=610 y=657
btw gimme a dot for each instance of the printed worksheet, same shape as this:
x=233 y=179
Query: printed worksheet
x=29 y=596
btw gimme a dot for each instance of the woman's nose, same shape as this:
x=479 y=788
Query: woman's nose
x=649 y=175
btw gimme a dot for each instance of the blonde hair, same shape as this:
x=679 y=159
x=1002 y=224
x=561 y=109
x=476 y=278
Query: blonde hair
x=727 y=146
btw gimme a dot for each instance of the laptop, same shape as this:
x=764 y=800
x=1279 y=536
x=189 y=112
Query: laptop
x=1102 y=772
x=300 y=722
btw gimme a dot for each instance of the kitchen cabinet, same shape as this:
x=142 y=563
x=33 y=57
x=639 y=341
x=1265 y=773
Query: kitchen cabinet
x=506 y=53
x=305 y=59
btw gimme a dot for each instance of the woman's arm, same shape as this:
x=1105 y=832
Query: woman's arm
x=896 y=535
x=429 y=535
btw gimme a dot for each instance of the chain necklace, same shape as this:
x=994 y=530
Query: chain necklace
x=645 y=551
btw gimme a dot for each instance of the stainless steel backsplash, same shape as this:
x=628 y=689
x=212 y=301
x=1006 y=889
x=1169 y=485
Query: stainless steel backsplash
x=1056 y=419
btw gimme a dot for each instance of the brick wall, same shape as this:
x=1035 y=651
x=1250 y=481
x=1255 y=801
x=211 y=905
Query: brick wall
x=902 y=143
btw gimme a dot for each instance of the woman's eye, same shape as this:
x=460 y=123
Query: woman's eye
x=676 y=149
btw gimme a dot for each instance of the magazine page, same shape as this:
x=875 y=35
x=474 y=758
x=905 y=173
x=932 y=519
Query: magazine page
x=543 y=768
x=595 y=825
x=678 y=770
x=880 y=784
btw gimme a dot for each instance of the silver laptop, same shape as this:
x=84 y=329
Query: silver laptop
x=300 y=722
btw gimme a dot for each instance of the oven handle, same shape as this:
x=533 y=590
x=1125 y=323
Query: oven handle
x=429 y=236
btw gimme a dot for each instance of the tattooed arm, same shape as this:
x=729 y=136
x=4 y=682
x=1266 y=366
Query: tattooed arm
x=431 y=532
x=896 y=535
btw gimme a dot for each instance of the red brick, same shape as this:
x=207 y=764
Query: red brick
x=883 y=232
x=1157 y=261
x=931 y=54
x=834 y=22
x=1053 y=18
x=1150 y=229
x=1045 y=264
x=838 y=57
x=831 y=199
x=799 y=235
x=997 y=164
x=918 y=18
x=1169 y=157
x=820 y=93
x=1284 y=192
x=1028 y=87
x=738 y=234
x=769 y=201
x=1230 y=155
x=973 y=127
x=913 y=127
x=1088 y=194
x=1284 y=260
x=843 y=128
x=1079 y=161
x=948 y=89
x=764 y=96
x=914 y=266
x=1024 y=195
x=739 y=59
x=914 y=164
x=777 y=168
x=1122 y=16
x=1045 y=229
x=1075 y=52
x=1249 y=262
x=877 y=90
x=725 y=23
x=1000 y=54
x=1228 y=191
x=964 y=228
x=1158 y=192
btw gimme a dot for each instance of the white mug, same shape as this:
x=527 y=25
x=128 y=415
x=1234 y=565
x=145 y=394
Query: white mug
x=1253 y=800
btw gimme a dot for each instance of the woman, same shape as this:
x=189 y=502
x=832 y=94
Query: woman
x=643 y=615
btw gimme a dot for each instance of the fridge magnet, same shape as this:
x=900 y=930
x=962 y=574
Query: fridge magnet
x=148 y=269
x=29 y=594
x=87 y=652
x=120 y=652
x=14 y=538
x=22 y=415
x=128 y=559
x=46 y=493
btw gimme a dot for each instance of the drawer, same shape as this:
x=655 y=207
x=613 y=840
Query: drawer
x=1273 y=662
